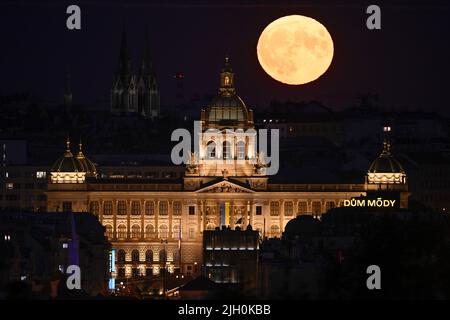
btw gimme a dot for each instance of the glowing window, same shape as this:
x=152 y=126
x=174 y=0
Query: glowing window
x=241 y=150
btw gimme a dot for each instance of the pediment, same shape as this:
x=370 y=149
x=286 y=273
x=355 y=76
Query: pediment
x=225 y=187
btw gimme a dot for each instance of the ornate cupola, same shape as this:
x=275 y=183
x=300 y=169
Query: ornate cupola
x=67 y=169
x=227 y=79
x=87 y=165
x=386 y=169
x=227 y=109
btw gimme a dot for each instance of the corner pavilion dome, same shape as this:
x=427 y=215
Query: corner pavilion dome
x=87 y=165
x=67 y=163
x=70 y=163
x=227 y=108
x=385 y=168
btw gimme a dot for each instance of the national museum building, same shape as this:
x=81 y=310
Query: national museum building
x=154 y=224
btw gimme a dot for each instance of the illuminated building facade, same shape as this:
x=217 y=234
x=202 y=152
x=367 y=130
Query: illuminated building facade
x=160 y=224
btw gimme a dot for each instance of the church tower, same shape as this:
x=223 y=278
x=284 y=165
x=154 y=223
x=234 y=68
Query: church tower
x=124 y=89
x=148 y=91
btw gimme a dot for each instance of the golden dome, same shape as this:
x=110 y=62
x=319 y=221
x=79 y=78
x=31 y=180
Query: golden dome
x=87 y=165
x=67 y=163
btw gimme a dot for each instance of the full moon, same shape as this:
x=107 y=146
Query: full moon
x=295 y=49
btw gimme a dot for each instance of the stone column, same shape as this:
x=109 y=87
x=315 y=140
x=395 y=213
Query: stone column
x=169 y=208
x=142 y=211
x=203 y=224
x=252 y=212
x=232 y=207
x=114 y=212
x=217 y=217
x=100 y=210
x=128 y=202
x=156 y=212
x=281 y=215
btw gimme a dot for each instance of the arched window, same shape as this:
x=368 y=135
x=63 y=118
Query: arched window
x=149 y=231
x=121 y=256
x=122 y=231
x=274 y=230
x=149 y=256
x=211 y=150
x=176 y=231
x=109 y=231
x=163 y=231
x=240 y=150
x=227 y=80
x=163 y=256
x=135 y=256
x=226 y=150
x=136 y=231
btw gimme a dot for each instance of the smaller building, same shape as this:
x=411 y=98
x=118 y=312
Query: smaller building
x=231 y=256
x=37 y=248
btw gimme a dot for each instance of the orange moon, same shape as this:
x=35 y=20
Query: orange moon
x=295 y=49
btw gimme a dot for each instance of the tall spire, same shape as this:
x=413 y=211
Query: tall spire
x=124 y=67
x=227 y=79
x=146 y=65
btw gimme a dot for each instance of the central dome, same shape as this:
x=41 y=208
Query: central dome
x=227 y=109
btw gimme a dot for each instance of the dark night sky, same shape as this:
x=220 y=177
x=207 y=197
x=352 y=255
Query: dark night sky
x=406 y=63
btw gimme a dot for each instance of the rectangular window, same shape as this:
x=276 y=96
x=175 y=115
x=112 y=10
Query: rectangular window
x=149 y=208
x=94 y=208
x=121 y=208
x=316 y=209
x=177 y=208
x=302 y=207
x=67 y=206
x=135 y=208
x=258 y=210
x=288 y=208
x=163 y=208
x=274 y=208
x=191 y=210
x=9 y=186
x=107 y=208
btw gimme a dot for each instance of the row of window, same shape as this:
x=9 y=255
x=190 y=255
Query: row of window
x=149 y=208
x=149 y=256
x=226 y=150
x=150 y=232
